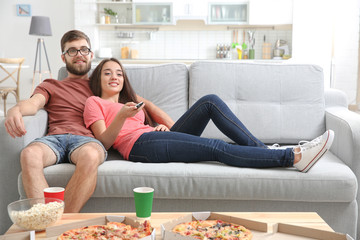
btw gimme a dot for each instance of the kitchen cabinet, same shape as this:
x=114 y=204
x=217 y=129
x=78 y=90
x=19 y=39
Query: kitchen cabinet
x=275 y=12
x=140 y=13
x=190 y=10
x=228 y=13
x=152 y=13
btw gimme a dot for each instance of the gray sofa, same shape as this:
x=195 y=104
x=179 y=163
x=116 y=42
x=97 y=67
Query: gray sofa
x=279 y=103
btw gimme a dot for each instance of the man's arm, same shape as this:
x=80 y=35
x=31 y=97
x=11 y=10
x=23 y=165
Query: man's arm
x=14 y=123
x=156 y=113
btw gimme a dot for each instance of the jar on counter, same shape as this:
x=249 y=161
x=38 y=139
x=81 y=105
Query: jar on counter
x=102 y=19
x=129 y=50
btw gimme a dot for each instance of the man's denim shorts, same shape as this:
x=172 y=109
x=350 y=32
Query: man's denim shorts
x=64 y=144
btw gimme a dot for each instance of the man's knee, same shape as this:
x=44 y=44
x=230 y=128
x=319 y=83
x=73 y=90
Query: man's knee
x=37 y=155
x=32 y=154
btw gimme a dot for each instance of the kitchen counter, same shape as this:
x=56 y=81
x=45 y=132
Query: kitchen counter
x=187 y=61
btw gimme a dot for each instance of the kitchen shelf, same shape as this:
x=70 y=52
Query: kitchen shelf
x=124 y=3
x=119 y=26
x=123 y=10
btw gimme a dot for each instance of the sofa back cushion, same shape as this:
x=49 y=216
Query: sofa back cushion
x=166 y=85
x=281 y=103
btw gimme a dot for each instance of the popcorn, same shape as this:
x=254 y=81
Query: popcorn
x=39 y=216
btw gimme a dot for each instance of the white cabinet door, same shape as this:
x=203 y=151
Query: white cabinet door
x=190 y=10
x=159 y=13
x=265 y=12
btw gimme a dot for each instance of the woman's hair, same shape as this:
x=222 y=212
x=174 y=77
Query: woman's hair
x=127 y=93
x=72 y=36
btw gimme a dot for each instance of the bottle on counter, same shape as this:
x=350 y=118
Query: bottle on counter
x=245 y=54
x=252 y=53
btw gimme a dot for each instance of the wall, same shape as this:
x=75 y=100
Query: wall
x=326 y=33
x=15 y=40
x=346 y=44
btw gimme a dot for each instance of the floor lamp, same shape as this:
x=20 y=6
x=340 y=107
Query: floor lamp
x=40 y=26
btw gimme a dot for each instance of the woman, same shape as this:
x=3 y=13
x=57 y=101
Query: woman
x=115 y=120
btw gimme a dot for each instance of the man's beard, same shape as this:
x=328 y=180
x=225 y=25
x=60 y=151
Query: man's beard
x=78 y=70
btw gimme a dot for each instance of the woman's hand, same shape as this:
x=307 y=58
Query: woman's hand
x=129 y=110
x=161 y=128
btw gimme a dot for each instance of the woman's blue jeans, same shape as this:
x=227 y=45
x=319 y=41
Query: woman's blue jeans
x=184 y=144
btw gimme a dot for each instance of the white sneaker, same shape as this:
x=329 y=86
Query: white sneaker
x=312 y=151
x=274 y=146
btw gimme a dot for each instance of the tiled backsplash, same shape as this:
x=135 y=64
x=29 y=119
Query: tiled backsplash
x=185 y=44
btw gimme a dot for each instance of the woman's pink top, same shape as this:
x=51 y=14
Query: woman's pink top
x=100 y=109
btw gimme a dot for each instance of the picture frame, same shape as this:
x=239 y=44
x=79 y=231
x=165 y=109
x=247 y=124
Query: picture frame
x=23 y=10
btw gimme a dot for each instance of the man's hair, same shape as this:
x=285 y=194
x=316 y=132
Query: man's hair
x=72 y=36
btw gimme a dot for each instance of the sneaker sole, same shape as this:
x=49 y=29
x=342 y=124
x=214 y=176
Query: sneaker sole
x=327 y=145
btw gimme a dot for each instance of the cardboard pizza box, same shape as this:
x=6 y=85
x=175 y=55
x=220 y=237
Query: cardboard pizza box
x=30 y=235
x=288 y=231
x=260 y=230
x=54 y=231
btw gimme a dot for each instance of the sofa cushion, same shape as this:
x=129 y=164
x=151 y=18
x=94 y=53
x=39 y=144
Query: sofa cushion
x=281 y=103
x=330 y=180
x=166 y=85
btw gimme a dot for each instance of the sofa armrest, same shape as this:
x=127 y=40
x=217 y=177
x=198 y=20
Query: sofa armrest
x=10 y=149
x=36 y=126
x=335 y=97
x=346 y=125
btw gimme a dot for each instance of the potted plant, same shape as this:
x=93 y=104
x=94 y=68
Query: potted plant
x=109 y=12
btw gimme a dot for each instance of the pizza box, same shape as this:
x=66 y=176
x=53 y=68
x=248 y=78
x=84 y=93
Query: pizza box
x=260 y=230
x=288 y=231
x=30 y=235
x=54 y=231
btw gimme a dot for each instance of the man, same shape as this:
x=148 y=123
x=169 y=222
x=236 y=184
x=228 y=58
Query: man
x=68 y=140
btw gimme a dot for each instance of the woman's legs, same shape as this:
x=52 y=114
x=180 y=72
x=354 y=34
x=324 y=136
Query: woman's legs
x=160 y=147
x=212 y=107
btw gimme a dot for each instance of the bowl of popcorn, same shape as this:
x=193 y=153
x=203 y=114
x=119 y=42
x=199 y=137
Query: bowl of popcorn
x=36 y=213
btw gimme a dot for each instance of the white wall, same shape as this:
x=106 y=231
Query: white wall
x=326 y=32
x=312 y=34
x=346 y=43
x=15 y=40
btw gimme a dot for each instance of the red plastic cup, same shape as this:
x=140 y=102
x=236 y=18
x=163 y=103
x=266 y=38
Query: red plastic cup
x=54 y=192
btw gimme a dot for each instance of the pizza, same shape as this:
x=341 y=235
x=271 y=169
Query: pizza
x=213 y=230
x=112 y=230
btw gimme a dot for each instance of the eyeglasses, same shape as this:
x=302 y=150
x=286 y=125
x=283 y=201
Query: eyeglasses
x=72 y=52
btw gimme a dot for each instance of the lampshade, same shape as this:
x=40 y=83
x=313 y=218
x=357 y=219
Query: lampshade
x=40 y=26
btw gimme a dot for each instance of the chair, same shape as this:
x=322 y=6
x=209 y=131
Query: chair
x=15 y=65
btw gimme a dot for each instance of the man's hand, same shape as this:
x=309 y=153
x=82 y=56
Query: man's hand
x=161 y=128
x=14 y=123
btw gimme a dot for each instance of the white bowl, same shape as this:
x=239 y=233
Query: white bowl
x=36 y=213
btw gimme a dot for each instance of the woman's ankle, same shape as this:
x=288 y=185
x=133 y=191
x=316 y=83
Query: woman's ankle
x=297 y=154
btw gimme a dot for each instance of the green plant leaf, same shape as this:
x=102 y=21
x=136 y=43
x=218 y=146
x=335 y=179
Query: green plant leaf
x=110 y=12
